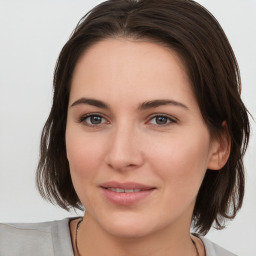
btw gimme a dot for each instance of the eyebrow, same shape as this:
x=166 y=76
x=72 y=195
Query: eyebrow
x=143 y=106
x=158 y=103
x=92 y=102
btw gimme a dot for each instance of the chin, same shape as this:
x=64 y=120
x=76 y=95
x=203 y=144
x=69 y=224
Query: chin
x=126 y=231
x=129 y=227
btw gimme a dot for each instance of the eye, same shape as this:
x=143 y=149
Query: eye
x=162 y=120
x=93 y=120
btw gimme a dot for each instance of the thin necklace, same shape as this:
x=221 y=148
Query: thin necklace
x=194 y=243
x=77 y=227
x=80 y=221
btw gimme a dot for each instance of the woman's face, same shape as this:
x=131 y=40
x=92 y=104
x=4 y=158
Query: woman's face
x=137 y=145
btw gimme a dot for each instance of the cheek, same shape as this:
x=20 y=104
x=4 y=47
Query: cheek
x=83 y=156
x=182 y=160
x=83 y=153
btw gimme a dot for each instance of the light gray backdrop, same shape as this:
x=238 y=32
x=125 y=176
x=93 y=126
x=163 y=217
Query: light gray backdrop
x=32 y=34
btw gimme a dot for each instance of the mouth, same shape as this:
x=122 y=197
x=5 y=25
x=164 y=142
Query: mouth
x=126 y=194
x=120 y=190
x=127 y=187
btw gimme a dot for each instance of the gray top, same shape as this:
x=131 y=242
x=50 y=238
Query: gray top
x=53 y=238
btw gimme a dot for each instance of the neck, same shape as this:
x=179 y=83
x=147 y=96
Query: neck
x=93 y=240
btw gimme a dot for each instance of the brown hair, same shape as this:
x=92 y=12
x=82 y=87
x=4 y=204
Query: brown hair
x=193 y=32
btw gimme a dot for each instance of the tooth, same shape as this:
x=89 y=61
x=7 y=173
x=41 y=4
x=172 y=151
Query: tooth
x=129 y=190
x=119 y=190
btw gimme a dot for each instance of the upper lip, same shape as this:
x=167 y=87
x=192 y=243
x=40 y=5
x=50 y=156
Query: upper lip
x=126 y=185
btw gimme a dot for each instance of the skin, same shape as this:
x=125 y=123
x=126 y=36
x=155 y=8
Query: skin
x=129 y=143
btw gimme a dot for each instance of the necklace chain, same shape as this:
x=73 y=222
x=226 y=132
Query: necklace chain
x=194 y=243
x=80 y=221
x=77 y=227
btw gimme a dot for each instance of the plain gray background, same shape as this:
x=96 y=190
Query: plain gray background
x=32 y=35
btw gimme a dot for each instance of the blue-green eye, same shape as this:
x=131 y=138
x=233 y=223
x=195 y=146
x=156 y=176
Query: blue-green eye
x=162 y=120
x=93 y=120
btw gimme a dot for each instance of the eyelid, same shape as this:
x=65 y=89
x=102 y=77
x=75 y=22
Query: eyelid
x=82 y=119
x=85 y=116
x=171 y=118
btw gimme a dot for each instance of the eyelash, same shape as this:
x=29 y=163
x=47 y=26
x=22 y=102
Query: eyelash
x=83 y=119
x=170 y=120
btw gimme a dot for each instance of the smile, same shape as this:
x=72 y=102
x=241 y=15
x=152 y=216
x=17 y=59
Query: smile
x=126 y=194
x=120 y=190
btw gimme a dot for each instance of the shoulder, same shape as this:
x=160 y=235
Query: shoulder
x=46 y=238
x=213 y=249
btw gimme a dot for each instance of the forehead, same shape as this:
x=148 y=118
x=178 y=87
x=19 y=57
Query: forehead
x=128 y=68
x=139 y=53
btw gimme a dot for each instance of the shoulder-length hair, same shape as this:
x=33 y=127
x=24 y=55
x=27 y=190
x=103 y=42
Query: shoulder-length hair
x=196 y=36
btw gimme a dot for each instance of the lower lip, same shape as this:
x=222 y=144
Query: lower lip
x=126 y=199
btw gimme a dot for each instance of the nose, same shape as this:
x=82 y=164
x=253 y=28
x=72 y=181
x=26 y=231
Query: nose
x=125 y=149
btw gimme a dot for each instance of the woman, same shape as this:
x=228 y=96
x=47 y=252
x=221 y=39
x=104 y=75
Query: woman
x=147 y=132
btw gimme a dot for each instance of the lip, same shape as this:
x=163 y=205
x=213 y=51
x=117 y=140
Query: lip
x=125 y=185
x=126 y=198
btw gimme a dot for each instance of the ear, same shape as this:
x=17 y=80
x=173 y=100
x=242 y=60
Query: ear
x=220 y=149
